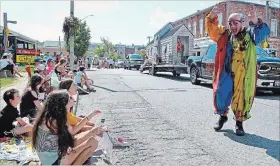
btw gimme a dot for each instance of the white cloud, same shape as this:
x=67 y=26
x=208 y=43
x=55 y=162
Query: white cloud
x=38 y=31
x=97 y=6
x=159 y=18
x=59 y=16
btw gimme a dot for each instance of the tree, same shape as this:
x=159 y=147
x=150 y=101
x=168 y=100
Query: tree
x=69 y=28
x=82 y=40
x=142 y=52
x=108 y=46
x=99 y=51
x=82 y=35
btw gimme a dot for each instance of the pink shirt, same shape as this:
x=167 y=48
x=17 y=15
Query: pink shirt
x=49 y=69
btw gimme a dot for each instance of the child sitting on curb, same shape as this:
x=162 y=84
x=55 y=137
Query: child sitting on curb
x=81 y=79
x=73 y=120
x=10 y=114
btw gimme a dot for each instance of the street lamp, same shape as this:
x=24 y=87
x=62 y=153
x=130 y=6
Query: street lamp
x=87 y=17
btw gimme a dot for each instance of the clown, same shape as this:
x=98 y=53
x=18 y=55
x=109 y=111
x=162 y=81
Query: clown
x=235 y=71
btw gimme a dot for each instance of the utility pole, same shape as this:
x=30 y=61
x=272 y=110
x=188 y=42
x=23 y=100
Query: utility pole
x=0 y=12
x=71 y=38
x=6 y=31
x=149 y=37
x=5 y=35
x=267 y=13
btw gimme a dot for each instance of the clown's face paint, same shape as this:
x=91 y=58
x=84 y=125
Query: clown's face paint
x=235 y=26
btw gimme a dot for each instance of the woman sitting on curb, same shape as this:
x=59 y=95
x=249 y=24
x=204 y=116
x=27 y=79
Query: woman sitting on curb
x=60 y=70
x=53 y=138
x=10 y=114
x=30 y=103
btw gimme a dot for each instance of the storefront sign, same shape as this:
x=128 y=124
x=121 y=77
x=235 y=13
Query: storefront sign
x=22 y=51
x=25 y=58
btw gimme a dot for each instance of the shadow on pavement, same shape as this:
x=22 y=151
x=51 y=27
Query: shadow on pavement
x=171 y=77
x=206 y=85
x=267 y=95
x=111 y=90
x=91 y=69
x=272 y=146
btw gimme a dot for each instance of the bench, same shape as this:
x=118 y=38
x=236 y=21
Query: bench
x=5 y=73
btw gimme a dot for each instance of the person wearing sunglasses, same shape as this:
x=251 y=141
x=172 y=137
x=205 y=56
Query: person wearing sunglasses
x=234 y=80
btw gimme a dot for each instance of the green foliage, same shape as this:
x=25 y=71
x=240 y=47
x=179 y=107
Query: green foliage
x=82 y=40
x=108 y=46
x=142 y=52
x=115 y=57
x=99 y=51
x=70 y=26
x=81 y=32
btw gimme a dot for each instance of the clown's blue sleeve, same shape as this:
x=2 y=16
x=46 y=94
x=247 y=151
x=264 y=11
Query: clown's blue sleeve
x=259 y=32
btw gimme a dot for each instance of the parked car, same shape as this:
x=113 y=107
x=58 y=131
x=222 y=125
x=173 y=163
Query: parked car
x=120 y=63
x=201 y=68
x=134 y=61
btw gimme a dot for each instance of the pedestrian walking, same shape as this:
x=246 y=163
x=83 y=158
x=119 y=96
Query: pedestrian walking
x=234 y=80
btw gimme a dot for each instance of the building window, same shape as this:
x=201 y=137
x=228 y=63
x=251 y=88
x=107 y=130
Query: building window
x=164 y=49
x=190 y=26
x=273 y=27
x=220 y=18
x=194 y=29
x=201 y=27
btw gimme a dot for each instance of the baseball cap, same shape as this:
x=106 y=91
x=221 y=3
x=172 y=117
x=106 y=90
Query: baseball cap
x=41 y=67
x=37 y=60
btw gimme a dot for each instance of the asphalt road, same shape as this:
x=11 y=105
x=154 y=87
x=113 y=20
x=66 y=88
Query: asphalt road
x=170 y=122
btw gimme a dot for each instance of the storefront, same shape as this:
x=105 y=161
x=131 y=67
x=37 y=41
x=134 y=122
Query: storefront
x=22 y=47
x=26 y=56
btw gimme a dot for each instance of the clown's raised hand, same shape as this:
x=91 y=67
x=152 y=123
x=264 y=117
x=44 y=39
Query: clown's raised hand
x=215 y=11
x=252 y=15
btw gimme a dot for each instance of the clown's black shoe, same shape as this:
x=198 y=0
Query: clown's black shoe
x=218 y=126
x=239 y=131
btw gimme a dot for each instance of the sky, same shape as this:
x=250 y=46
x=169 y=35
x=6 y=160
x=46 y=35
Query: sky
x=125 y=22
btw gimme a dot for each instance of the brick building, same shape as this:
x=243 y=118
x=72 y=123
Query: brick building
x=53 y=48
x=196 y=22
x=129 y=50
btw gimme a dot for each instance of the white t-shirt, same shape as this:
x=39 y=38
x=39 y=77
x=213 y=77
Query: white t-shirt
x=78 y=77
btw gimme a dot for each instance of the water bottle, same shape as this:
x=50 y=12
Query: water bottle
x=106 y=144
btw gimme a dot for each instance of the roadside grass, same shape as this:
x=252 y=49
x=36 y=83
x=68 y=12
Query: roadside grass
x=4 y=82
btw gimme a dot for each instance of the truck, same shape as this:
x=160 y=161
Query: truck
x=157 y=64
x=201 y=68
x=176 y=70
x=133 y=61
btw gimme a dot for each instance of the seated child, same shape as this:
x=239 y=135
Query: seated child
x=73 y=120
x=81 y=79
x=10 y=114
